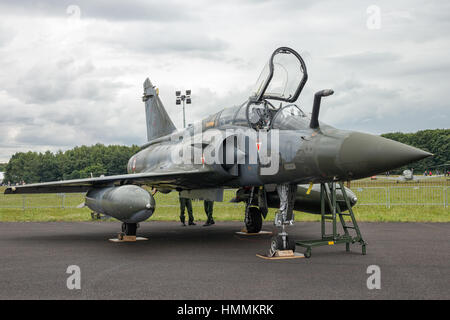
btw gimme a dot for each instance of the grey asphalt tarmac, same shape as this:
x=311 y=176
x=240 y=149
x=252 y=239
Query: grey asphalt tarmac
x=214 y=263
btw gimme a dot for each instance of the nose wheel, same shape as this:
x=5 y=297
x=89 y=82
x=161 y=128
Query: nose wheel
x=279 y=242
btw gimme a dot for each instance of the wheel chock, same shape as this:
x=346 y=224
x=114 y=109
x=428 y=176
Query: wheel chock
x=124 y=238
x=282 y=255
x=244 y=232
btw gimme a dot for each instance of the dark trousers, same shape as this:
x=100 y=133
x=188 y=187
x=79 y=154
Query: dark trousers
x=184 y=202
x=209 y=210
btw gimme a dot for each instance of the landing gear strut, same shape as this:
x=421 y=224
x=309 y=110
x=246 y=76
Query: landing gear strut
x=129 y=229
x=284 y=217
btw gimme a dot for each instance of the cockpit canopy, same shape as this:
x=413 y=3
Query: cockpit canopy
x=283 y=77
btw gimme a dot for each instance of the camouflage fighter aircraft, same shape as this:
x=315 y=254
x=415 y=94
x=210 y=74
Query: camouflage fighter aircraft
x=268 y=148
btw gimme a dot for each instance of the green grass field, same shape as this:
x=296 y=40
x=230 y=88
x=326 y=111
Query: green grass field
x=167 y=208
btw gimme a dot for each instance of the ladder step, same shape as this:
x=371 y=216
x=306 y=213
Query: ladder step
x=349 y=227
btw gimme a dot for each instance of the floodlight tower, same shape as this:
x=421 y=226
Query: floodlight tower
x=182 y=98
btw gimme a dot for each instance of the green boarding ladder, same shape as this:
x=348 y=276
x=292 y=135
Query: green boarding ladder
x=328 y=197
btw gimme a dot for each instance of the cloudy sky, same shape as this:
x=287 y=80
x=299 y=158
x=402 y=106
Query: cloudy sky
x=72 y=71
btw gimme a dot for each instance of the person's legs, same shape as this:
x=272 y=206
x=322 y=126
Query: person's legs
x=209 y=212
x=205 y=206
x=182 y=207
x=190 y=213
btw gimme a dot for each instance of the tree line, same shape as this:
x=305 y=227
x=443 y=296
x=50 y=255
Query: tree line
x=436 y=141
x=81 y=162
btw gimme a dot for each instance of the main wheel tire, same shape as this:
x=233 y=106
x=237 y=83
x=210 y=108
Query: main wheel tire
x=254 y=220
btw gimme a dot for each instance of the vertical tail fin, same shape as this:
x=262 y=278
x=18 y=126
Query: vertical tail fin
x=158 y=121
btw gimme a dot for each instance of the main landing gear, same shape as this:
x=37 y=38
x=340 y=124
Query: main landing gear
x=255 y=210
x=253 y=221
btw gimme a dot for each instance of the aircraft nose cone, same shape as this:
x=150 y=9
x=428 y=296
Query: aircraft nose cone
x=364 y=154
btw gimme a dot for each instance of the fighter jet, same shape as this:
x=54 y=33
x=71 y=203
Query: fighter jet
x=268 y=148
x=407 y=175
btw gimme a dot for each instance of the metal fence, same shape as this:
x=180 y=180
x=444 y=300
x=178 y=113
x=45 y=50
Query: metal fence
x=402 y=195
x=36 y=201
x=387 y=196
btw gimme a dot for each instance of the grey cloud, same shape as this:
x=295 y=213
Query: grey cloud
x=52 y=81
x=141 y=38
x=373 y=108
x=167 y=11
x=366 y=58
x=185 y=44
x=7 y=34
x=437 y=67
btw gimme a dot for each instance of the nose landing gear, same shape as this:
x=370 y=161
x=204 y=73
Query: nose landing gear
x=284 y=218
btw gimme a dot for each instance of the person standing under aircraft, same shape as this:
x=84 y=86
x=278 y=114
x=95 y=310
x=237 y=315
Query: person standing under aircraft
x=209 y=205
x=186 y=203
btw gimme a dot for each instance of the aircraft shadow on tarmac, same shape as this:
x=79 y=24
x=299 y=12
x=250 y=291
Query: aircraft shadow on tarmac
x=163 y=236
